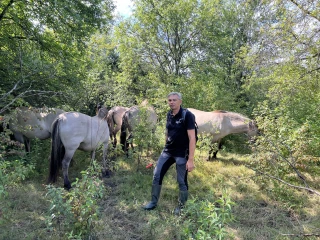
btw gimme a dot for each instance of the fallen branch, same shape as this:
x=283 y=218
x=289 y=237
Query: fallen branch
x=302 y=235
x=284 y=182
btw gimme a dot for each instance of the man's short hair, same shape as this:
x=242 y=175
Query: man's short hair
x=175 y=93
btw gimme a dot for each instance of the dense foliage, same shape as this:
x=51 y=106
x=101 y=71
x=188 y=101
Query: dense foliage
x=43 y=49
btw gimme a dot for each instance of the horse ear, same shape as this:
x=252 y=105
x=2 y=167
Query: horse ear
x=99 y=105
x=251 y=125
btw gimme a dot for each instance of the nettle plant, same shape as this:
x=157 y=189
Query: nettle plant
x=75 y=213
x=205 y=219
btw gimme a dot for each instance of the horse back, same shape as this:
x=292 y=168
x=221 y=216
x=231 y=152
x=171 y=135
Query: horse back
x=133 y=117
x=34 y=122
x=115 y=115
x=216 y=123
x=220 y=123
x=81 y=131
x=51 y=116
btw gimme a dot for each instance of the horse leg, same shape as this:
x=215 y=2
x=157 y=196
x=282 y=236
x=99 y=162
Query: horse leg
x=93 y=154
x=105 y=171
x=214 y=156
x=65 y=166
x=123 y=137
x=111 y=137
x=129 y=142
x=27 y=144
x=213 y=151
x=219 y=148
x=21 y=139
x=115 y=140
x=115 y=131
x=210 y=152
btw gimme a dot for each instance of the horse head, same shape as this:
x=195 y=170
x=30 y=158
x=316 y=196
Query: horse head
x=253 y=128
x=102 y=112
x=99 y=105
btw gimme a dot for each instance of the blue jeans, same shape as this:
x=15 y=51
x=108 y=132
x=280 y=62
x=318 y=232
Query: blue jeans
x=164 y=162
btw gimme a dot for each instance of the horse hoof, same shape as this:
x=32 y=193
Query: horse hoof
x=67 y=187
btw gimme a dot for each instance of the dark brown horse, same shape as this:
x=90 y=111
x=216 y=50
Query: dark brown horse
x=218 y=124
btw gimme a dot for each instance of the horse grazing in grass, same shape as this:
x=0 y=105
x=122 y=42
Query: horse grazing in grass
x=114 y=119
x=29 y=123
x=72 y=131
x=218 y=124
x=131 y=119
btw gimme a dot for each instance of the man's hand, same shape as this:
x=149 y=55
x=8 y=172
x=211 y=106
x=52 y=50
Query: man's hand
x=190 y=165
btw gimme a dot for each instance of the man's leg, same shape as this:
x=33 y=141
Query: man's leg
x=163 y=164
x=182 y=178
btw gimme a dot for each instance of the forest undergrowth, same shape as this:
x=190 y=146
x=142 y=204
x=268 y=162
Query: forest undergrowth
x=226 y=202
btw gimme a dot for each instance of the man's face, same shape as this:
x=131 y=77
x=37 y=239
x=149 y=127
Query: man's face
x=174 y=102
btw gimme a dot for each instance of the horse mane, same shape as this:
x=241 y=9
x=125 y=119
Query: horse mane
x=234 y=115
x=220 y=111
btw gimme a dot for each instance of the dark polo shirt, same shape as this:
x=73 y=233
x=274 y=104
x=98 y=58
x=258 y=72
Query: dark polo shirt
x=178 y=141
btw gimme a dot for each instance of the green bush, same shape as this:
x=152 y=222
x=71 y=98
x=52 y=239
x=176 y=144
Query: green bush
x=203 y=219
x=74 y=213
x=12 y=173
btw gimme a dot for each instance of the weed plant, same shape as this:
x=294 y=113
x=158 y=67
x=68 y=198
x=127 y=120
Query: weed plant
x=203 y=219
x=75 y=213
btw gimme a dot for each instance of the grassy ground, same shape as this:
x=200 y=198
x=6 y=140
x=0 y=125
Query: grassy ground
x=260 y=213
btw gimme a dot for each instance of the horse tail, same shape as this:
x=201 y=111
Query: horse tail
x=112 y=132
x=110 y=121
x=57 y=152
x=123 y=135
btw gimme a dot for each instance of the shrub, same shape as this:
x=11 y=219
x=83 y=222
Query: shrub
x=74 y=213
x=204 y=219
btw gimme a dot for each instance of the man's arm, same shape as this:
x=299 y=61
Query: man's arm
x=192 y=147
x=166 y=136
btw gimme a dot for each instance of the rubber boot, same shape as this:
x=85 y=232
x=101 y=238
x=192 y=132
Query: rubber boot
x=155 y=194
x=183 y=197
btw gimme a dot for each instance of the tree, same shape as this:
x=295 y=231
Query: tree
x=284 y=86
x=42 y=43
x=187 y=45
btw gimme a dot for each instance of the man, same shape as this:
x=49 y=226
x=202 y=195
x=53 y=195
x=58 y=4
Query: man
x=180 y=147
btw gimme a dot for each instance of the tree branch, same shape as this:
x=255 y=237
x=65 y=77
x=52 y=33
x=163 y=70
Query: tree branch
x=303 y=235
x=5 y=9
x=284 y=182
x=289 y=163
x=305 y=10
x=8 y=93
x=28 y=93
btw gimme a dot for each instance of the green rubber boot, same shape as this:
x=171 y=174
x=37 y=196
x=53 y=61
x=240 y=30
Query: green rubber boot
x=183 y=197
x=155 y=194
